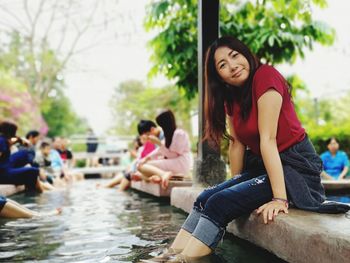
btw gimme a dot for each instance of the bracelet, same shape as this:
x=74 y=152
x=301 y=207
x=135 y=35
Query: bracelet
x=285 y=201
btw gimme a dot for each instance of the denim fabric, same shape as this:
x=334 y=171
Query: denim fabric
x=213 y=233
x=216 y=206
x=192 y=220
x=15 y=172
x=2 y=202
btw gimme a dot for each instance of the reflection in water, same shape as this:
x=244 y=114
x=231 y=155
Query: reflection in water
x=104 y=226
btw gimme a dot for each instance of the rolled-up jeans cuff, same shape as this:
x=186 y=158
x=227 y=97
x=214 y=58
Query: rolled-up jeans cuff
x=192 y=220
x=208 y=232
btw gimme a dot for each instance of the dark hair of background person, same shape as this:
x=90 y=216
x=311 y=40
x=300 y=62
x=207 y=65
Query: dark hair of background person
x=166 y=120
x=138 y=141
x=330 y=139
x=8 y=129
x=33 y=134
x=145 y=126
x=44 y=144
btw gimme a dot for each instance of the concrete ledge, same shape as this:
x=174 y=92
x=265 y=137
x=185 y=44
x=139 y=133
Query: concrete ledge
x=299 y=237
x=336 y=185
x=156 y=189
x=8 y=189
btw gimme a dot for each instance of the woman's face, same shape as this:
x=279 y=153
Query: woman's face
x=232 y=67
x=333 y=146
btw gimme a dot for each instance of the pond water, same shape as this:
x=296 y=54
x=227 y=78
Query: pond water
x=103 y=225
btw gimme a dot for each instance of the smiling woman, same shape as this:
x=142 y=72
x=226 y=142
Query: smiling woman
x=281 y=167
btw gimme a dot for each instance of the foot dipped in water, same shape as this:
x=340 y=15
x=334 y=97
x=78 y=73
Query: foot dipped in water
x=165 y=256
x=54 y=212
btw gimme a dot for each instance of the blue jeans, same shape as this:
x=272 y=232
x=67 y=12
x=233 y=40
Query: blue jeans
x=216 y=206
x=15 y=173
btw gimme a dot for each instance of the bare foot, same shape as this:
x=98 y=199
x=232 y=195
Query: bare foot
x=55 y=212
x=156 y=179
x=165 y=179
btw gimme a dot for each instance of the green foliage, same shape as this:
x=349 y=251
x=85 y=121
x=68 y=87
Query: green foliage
x=17 y=104
x=28 y=99
x=320 y=134
x=38 y=72
x=325 y=118
x=61 y=118
x=132 y=101
x=276 y=30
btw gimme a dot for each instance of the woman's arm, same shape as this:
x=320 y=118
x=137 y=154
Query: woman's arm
x=236 y=151
x=344 y=172
x=269 y=107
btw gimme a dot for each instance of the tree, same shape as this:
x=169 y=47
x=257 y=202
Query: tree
x=276 y=30
x=61 y=118
x=46 y=34
x=132 y=101
x=17 y=104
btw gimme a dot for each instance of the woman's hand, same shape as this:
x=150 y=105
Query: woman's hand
x=155 y=140
x=271 y=209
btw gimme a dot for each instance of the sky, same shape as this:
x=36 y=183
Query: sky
x=92 y=75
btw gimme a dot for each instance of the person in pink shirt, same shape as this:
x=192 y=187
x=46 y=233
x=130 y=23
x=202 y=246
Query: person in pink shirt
x=143 y=148
x=172 y=157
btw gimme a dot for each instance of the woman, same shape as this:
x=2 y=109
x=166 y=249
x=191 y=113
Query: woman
x=335 y=162
x=170 y=158
x=12 y=170
x=142 y=149
x=281 y=168
x=12 y=209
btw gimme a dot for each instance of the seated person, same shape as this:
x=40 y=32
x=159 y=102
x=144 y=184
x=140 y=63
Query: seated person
x=13 y=167
x=66 y=154
x=124 y=179
x=29 y=146
x=173 y=157
x=12 y=209
x=42 y=158
x=335 y=162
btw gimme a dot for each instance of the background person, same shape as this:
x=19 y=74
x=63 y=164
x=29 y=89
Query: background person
x=335 y=162
x=172 y=157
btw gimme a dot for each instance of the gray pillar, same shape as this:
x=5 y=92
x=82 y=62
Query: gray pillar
x=209 y=168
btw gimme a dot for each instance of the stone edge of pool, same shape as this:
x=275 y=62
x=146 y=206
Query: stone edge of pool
x=299 y=237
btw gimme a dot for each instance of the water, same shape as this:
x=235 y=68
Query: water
x=103 y=225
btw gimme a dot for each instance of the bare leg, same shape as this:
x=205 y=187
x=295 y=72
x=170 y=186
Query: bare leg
x=181 y=240
x=11 y=210
x=195 y=248
x=124 y=184
x=149 y=170
x=115 y=181
x=47 y=186
x=39 y=186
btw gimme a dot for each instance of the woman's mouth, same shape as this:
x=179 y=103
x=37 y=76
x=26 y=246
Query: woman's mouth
x=237 y=74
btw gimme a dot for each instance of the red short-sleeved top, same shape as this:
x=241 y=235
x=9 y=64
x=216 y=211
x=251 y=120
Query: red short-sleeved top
x=289 y=129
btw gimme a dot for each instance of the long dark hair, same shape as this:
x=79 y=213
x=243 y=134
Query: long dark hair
x=166 y=120
x=219 y=94
x=8 y=129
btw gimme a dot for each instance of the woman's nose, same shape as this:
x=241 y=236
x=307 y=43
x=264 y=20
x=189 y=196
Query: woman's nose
x=233 y=66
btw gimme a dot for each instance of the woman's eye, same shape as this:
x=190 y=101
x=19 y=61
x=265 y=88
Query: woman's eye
x=222 y=65
x=234 y=55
